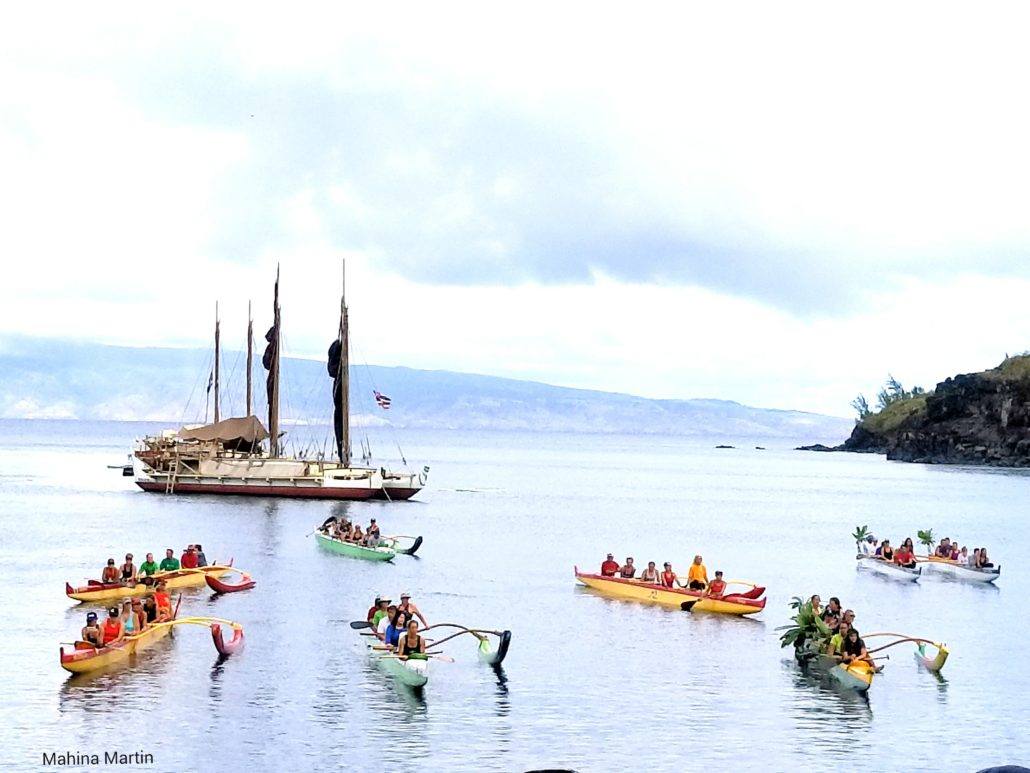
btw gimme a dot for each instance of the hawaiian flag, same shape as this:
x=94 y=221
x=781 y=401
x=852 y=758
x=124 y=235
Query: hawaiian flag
x=382 y=400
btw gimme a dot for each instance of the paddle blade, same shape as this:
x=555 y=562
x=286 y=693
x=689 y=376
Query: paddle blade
x=357 y=625
x=686 y=606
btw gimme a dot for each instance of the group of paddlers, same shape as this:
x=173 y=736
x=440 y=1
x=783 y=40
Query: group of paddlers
x=345 y=531
x=697 y=575
x=131 y=617
x=845 y=644
x=129 y=574
x=396 y=626
x=905 y=555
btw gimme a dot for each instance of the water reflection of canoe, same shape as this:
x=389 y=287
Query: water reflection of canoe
x=354 y=551
x=733 y=604
x=935 y=565
x=180 y=578
x=887 y=569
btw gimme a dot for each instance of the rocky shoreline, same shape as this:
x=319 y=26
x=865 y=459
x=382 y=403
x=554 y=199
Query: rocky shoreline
x=974 y=418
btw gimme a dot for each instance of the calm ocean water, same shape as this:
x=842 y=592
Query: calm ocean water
x=589 y=683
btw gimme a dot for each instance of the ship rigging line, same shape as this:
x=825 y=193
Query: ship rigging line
x=393 y=432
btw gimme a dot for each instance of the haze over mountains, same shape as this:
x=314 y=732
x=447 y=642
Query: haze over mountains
x=45 y=378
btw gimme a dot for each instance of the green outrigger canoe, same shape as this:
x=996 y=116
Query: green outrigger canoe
x=354 y=551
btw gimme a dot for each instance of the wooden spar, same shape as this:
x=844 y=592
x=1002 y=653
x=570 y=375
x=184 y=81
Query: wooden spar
x=250 y=358
x=218 y=344
x=273 y=402
x=344 y=374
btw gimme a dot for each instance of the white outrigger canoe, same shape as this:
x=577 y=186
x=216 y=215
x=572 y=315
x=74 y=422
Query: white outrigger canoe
x=944 y=566
x=887 y=568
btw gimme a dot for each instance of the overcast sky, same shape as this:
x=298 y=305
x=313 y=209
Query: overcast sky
x=776 y=205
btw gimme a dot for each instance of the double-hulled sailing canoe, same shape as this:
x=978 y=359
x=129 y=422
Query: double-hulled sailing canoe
x=888 y=569
x=731 y=604
x=947 y=567
x=354 y=551
x=180 y=578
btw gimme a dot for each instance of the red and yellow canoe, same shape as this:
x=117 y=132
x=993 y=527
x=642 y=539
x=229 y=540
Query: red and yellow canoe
x=180 y=578
x=85 y=657
x=746 y=603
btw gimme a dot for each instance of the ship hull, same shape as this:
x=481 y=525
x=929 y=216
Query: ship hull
x=261 y=489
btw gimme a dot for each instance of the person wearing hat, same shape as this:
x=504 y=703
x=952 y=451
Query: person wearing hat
x=385 y=621
x=382 y=608
x=112 y=631
x=410 y=609
x=189 y=558
x=110 y=573
x=91 y=633
x=169 y=563
x=717 y=586
x=610 y=566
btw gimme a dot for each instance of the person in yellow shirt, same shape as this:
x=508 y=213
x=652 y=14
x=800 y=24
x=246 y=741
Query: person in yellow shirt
x=697 y=576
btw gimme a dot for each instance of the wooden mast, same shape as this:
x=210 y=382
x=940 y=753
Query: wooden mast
x=344 y=374
x=273 y=402
x=218 y=415
x=250 y=359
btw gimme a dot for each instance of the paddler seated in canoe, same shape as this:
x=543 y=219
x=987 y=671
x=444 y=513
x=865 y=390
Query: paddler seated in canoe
x=717 y=586
x=189 y=558
x=164 y=603
x=131 y=622
x=91 y=633
x=610 y=566
x=398 y=623
x=697 y=575
x=201 y=558
x=650 y=574
x=944 y=549
x=832 y=609
x=835 y=648
x=904 y=557
x=128 y=571
x=149 y=610
x=169 y=563
x=628 y=570
x=855 y=651
x=410 y=642
x=668 y=577
x=377 y=612
x=373 y=529
x=110 y=573
x=385 y=621
x=357 y=536
x=411 y=610
x=984 y=562
x=849 y=618
x=817 y=605
x=148 y=568
x=112 y=631
x=886 y=551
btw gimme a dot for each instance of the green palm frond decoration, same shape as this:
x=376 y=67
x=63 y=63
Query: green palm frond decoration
x=806 y=625
x=926 y=538
x=860 y=533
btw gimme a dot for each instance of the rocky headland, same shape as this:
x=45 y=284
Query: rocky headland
x=974 y=418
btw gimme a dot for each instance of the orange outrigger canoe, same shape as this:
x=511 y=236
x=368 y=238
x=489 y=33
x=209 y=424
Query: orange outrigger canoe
x=747 y=603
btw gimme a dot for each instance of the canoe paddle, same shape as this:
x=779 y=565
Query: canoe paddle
x=359 y=624
x=686 y=606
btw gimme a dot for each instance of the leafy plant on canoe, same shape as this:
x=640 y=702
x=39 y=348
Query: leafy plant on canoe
x=927 y=539
x=859 y=534
x=806 y=626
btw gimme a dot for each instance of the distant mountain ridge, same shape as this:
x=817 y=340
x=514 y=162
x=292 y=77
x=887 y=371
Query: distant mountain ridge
x=45 y=378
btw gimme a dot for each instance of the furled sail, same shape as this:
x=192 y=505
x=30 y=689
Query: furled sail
x=333 y=366
x=270 y=359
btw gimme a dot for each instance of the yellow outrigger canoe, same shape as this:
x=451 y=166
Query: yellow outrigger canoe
x=730 y=604
x=180 y=578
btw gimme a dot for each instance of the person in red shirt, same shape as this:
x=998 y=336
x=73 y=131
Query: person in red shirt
x=717 y=586
x=189 y=558
x=610 y=566
x=668 y=577
x=904 y=557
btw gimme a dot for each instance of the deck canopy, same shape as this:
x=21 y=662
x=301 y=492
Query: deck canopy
x=242 y=431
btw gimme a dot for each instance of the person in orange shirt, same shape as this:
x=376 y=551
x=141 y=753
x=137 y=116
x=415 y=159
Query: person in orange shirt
x=164 y=603
x=697 y=576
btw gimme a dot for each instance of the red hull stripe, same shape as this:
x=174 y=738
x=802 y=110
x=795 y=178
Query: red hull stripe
x=260 y=490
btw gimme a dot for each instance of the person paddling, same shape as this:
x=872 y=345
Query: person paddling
x=385 y=622
x=669 y=578
x=411 y=610
x=836 y=646
x=650 y=574
x=91 y=633
x=393 y=631
x=717 y=586
x=128 y=571
x=110 y=573
x=381 y=610
x=169 y=563
x=854 y=649
x=112 y=630
x=411 y=643
x=148 y=568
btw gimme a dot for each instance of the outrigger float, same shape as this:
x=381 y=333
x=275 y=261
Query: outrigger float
x=246 y=582
x=85 y=657
x=98 y=592
x=745 y=603
x=413 y=670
